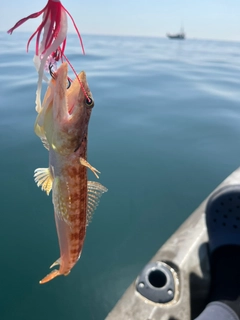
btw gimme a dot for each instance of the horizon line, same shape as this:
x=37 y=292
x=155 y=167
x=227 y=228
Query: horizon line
x=130 y=36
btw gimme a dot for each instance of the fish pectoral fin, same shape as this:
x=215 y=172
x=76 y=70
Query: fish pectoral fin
x=95 y=191
x=87 y=164
x=45 y=143
x=53 y=274
x=56 y=263
x=39 y=130
x=43 y=178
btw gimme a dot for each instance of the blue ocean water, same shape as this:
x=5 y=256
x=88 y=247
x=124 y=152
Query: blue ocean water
x=164 y=132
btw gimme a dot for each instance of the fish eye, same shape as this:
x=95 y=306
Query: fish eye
x=89 y=102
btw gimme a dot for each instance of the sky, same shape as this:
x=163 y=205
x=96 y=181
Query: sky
x=202 y=19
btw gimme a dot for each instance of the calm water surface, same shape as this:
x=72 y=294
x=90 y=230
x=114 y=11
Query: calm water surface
x=164 y=132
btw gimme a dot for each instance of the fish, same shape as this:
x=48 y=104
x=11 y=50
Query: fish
x=62 y=125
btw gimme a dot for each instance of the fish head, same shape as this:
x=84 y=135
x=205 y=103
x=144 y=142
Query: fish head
x=67 y=111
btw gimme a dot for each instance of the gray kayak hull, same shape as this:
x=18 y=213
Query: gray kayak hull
x=185 y=255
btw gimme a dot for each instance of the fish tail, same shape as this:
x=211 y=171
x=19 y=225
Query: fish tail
x=50 y=276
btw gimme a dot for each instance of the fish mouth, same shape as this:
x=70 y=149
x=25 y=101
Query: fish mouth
x=84 y=95
x=62 y=80
x=82 y=77
x=76 y=95
x=64 y=84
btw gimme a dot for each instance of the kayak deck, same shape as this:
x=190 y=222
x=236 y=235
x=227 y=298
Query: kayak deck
x=178 y=276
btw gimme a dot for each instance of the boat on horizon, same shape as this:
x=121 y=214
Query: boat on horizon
x=180 y=36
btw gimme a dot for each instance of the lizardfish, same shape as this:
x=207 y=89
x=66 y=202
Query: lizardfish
x=62 y=125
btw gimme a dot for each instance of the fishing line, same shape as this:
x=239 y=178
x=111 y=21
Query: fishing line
x=80 y=82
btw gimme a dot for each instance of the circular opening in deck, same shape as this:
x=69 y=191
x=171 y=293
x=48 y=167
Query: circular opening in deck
x=157 y=278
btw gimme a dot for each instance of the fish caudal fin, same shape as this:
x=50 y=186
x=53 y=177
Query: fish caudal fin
x=50 y=276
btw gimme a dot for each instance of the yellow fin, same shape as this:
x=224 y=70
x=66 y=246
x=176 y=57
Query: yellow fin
x=95 y=191
x=43 y=178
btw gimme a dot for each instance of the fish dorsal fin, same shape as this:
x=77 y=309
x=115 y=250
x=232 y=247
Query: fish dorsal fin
x=43 y=178
x=95 y=191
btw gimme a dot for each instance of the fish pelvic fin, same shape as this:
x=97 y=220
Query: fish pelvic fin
x=43 y=179
x=87 y=164
x=53 y=274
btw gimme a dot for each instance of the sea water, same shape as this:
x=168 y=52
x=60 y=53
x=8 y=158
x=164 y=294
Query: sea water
x=164 y=132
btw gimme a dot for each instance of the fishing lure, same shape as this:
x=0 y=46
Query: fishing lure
x=52 y=46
